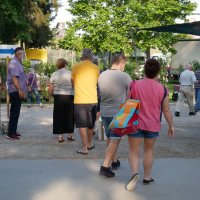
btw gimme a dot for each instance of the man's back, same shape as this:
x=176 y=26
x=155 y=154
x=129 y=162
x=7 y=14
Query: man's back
x=85 y=75
x=187 y=77
x=113 y=85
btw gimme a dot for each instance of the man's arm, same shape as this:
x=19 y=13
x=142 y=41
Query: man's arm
x=73 y=76
x=194 y=80
x=17 y=85
x=168 y=116
x=99 y=101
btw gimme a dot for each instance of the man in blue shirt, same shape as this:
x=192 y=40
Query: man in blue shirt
x=17 y=89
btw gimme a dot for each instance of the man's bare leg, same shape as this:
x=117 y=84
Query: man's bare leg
x=84 y=138
x=90 y=137
x=107 y=143
x=110 y=152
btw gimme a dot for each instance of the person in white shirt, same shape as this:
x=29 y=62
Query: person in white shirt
x=61 y=88
x=187 y=80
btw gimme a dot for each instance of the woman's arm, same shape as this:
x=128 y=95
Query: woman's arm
x=168 y=116
x=50 y=88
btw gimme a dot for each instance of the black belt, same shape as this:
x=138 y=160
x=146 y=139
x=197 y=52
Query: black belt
x=186 y=85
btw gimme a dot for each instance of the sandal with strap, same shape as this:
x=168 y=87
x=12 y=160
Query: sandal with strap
x=60 y=139
x=70 y=137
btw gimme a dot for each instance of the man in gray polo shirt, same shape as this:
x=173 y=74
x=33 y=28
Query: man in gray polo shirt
x=114 y=85
x=187 y=79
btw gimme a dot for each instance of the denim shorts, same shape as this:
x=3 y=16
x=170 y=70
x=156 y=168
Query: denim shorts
x=145 y=134
x=106 y=122
x=109 y=134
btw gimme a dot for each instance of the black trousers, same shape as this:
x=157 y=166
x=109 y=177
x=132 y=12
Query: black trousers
x=63 y=114
x=14 y=112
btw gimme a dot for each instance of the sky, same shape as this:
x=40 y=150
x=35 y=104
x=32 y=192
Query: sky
x=64 y=16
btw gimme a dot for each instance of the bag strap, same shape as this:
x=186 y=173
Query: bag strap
x=131 y=89
x=165 y=94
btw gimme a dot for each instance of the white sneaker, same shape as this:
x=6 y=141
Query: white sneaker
x=130 y=186
x=41 y=105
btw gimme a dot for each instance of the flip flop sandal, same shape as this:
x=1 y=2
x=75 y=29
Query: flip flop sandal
x=70 y=137
x=81 y=152
x=92 y=147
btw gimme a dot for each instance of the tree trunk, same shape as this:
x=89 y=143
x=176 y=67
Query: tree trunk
x=148 y=53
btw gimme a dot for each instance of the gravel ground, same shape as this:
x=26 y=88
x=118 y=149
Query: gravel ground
x=38 y=142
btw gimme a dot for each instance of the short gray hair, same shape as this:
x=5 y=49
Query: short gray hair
x=31 y=70
x=188 y=66
x=87 y=54
x=95 y=60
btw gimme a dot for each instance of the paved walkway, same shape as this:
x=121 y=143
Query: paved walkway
x=175 y=179
x=38 y=168
x=38 y=142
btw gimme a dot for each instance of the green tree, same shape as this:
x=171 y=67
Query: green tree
x=27 y=21
x=14 y=26
x=39 y=15
x=71 y=41
x=109 y=25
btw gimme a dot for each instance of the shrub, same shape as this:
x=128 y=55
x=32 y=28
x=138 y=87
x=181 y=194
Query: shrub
x=195 y=64
x=132 y=69
x=3 y=73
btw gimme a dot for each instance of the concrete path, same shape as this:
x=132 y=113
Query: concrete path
x=46 y=170
x=38 y=142
x=175 y=179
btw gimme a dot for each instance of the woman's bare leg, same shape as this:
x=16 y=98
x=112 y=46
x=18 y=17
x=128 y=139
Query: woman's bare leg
x=134 y=153
x=148 y=157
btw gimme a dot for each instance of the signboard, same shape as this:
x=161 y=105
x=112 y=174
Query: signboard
x=7 y=50
x=36 y=55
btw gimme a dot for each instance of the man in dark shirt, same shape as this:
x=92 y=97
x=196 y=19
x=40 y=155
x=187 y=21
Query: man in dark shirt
x=197 y=90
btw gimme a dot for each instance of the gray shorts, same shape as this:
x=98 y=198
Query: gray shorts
x=85 y=115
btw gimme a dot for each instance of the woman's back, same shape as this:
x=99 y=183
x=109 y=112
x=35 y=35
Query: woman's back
x=62 y=82
x=150 y=93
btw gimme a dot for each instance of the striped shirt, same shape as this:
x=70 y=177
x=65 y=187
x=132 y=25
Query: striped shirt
x=197 y=74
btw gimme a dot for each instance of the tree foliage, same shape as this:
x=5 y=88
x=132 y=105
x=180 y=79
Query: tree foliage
x=71 y=41
x=27 y=21
x=109 y=25
x=14 y=26
x=39 y=15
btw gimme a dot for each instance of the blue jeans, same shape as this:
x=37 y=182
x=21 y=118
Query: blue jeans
x=14 y=112
x=36 y=94
x=197 y=99
x=106 y=122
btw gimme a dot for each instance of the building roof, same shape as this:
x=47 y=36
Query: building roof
x=192 y=28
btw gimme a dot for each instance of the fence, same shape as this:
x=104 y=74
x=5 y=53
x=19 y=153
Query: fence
x=54 y=54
